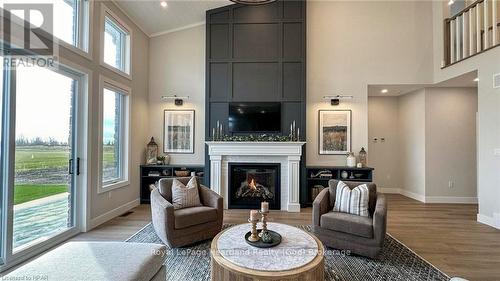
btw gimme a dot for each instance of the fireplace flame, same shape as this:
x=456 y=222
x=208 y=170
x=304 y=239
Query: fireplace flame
x=252 y=185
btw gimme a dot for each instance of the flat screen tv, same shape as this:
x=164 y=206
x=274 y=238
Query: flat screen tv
x=255 y=117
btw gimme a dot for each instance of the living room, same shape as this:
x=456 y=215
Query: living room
x=353 y=140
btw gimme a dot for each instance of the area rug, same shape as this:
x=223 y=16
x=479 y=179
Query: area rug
x=395 y=262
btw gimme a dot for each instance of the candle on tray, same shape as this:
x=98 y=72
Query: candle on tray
x=264 y=207
x=254 y=215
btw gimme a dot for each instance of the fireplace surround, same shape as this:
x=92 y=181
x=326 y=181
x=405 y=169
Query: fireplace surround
x=251 y=183
x=287 y=154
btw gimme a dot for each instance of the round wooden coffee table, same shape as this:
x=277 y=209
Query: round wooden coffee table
x=298 y=257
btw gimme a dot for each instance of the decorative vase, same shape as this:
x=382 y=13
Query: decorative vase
x=344 y=174
x=351 y=160
x=362 y=157
x=266 y=237
x=151 y=152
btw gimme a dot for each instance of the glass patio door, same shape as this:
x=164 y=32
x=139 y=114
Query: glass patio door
x=45 y=162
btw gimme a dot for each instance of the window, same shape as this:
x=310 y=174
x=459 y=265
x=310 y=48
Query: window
x=2 y=191
x=116 y=44
x=114 y=135
x=70 y=20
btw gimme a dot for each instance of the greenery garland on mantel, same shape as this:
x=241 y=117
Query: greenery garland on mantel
x=255 y=138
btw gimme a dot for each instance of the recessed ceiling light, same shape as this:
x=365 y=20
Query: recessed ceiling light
x=451 y=2
x=163 y=4
x=476 y=80
x=384 y=91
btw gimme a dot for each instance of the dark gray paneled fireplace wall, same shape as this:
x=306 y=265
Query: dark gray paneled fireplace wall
x=256 y=54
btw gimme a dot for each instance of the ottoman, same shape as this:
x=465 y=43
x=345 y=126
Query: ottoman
x=96 y=261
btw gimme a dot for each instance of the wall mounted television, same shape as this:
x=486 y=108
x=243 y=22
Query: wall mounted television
x=255 y=117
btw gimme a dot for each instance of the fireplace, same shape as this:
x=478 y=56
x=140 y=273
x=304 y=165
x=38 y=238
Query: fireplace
x=251 y=183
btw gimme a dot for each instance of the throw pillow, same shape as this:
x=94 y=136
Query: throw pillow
x=185 y=196
x=353 y=201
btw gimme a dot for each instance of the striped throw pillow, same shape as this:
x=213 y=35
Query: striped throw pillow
x=353 y=201
x=185 y=196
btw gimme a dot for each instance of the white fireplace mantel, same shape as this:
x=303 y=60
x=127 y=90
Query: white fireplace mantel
x=286 y=153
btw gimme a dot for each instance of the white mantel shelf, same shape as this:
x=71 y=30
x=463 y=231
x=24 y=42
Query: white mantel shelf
x=288 y=154
x=281 y=148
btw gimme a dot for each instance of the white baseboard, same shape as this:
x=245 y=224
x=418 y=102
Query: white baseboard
x=491 y=221
x=390 y=190
x=451 y=200
x=430 y=199
x=413 y=195
x=113 y=213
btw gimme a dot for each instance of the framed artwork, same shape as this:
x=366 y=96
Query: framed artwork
x=334 y=132
x=178 y=131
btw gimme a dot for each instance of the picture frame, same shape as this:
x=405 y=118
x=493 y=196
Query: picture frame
x=334 y=132
x=178 y=131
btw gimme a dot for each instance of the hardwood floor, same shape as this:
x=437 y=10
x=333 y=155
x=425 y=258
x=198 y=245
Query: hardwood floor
x=446 y=235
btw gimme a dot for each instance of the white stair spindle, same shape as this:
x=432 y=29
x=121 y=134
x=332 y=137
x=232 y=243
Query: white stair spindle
x=478 y=28
x=471 y=31
x=465 y=35
x=486 y=25
x=494 y=10
x=458 y=46
x=452 y=41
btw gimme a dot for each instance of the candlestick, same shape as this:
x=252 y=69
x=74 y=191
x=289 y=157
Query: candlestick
x=213 y=134
x=264 y=207
x=264 y=222
x=253 y=237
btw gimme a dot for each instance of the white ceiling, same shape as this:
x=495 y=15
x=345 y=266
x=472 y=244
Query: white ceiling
x=464 y=80
x=154 y=19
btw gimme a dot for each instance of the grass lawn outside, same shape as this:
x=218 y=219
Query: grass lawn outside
x=28 y=192
x=51 y=157
x=33 y=161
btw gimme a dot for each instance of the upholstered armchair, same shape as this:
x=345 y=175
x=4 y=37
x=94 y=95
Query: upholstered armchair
x=181 y=227
x=361 y=235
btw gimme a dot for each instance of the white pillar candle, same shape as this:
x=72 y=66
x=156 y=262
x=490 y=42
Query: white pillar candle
x=264 y=207
x=254 y=215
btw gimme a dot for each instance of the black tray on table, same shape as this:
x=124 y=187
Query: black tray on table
x=259 y=244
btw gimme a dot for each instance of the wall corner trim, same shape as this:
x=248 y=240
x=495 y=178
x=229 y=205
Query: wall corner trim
x=113 y=213
x=412 y=195
x=490 y=221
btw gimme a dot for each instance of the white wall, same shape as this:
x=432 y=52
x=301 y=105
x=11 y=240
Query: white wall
x=488 y=107
x=384 y=156
x=412 y=143
x=351 y=44
x=450 y=141
x=104 y=206
x=177 y=66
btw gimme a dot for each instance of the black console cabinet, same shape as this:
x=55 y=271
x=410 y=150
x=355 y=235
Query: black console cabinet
x=151 y=174
x=317 y=178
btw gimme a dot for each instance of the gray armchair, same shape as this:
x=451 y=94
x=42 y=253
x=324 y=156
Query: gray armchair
x=181 y=227
x=361 y=235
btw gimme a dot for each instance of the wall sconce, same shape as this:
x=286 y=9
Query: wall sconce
x=335 y=100
x=177 y=100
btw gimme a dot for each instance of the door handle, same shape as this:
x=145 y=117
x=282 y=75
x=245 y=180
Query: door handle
x=77 y=166
x=70 y=166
